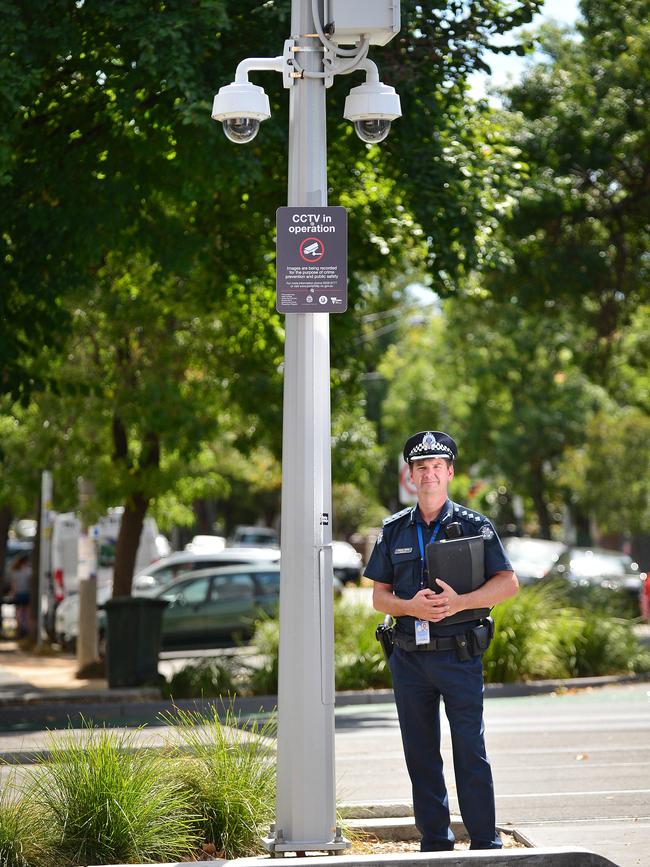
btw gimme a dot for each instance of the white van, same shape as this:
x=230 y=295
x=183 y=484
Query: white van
x=66 y=531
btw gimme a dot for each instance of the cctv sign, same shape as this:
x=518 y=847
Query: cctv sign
x=312 y=260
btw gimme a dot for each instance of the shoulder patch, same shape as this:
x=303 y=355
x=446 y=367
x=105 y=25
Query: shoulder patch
x=486 y=531
x=397 y=515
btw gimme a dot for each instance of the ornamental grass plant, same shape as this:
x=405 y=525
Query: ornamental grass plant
x=229 y=775
x=21 y=829
x=103 y=802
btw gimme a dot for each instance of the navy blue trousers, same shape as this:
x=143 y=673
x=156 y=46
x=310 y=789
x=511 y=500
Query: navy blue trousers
x=419 y=680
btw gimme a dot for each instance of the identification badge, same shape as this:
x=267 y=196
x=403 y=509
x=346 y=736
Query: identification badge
x=421 y=631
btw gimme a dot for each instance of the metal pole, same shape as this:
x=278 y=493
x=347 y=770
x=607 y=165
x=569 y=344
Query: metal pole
x=305 y=809
x=45 y=552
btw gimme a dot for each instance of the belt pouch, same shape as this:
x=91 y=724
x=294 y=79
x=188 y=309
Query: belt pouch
x=462 y=647
x=480 y=637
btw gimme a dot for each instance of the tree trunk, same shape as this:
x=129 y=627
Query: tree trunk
x=202 y=516
x=135 y=509
x=6 y=516
x=128 y=540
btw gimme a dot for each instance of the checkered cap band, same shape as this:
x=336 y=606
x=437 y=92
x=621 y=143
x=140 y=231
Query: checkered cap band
x=430 y=444
x=439 y=450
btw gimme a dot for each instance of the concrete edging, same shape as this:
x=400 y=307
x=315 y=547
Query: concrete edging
x=561 y=856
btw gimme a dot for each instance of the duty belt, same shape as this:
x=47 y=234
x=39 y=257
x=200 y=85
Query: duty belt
x=446 y=642
x=466 y=644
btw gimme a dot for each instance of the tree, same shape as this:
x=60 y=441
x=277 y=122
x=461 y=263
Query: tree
x=130 y=228
x=576 y=238
x=504 y=382
x=109 y=144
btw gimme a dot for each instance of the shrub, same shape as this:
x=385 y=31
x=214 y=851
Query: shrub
x=105 y=803
x=206 y=679
x=610 y=602
x=526 y=643
x=263 y=679
x=601 y=645
x=230 y=778
x=540 y=634
x=358 y=658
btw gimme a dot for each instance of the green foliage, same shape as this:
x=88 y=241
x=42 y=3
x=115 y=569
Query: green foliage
x=358 y=659
x=231 y=777
x=104 y=803
x=546 y=631
x=599 y=644
x=21 y=827
x=510 y=389
x=603 y=601
x=620 y=499
x=353 y=510
x=542 y=633
x=576 y=236
x=263 y=678
x=525 y=643
x=206 y=679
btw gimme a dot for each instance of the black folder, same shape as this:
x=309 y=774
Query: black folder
x=459 y=562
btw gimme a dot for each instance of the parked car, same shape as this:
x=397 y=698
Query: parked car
x=153 y=578
x=214 y=605
x=150 y=580
x=346 y=562
x=600 y=567
x=254 y=536
x=531 y=558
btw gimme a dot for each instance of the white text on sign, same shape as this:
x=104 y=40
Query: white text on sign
x=311 y=223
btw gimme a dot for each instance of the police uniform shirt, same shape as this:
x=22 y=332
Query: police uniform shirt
x=396 y=559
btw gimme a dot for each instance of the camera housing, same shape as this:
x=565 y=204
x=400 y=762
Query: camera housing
x=241 y=107
x=372 y=107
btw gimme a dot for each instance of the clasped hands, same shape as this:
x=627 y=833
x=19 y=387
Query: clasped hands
x=427 y=605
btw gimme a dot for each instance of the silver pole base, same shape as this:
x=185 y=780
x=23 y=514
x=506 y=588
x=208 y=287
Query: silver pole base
x=277 y=845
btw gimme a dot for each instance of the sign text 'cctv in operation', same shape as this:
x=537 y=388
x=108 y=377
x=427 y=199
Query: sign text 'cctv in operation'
x=312 y=260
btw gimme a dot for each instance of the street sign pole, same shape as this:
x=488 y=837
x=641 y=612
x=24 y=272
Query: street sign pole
x=305 y=808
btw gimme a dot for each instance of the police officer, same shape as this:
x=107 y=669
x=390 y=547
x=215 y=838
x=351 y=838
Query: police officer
x=427 y=662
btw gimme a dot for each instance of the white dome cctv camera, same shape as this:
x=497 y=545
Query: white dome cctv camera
x=372 y=107
x=241 y=107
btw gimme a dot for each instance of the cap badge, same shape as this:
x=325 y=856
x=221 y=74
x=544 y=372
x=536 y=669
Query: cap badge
x=428 y=440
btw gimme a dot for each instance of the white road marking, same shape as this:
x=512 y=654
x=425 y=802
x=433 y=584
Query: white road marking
x=599 y=793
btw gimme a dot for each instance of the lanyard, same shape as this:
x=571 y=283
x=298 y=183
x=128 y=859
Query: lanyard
x=434 y=534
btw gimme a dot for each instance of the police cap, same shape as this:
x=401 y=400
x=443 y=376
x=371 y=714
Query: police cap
x=430 y=444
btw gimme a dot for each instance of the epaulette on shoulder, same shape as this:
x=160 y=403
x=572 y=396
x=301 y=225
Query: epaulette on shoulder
x=397 y=515
x=469 y=515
